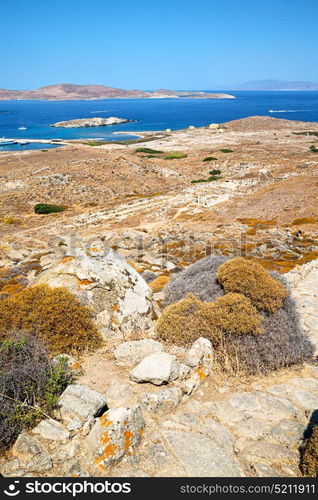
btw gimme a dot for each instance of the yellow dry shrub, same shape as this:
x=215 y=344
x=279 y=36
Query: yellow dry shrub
x=53 y=314
x=190 y=318
x=252 y=280
x=309 y=458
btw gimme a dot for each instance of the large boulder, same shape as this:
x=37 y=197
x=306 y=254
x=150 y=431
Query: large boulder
x=159 y=368
x=116 y=432
x=131 y=353
x=119 y=297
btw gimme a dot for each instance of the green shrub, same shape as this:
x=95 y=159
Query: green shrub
x=252 y=280
x=55 y=315
x=30 y=385
x=225 y=150
x=46 y=208
x=215 y=172
x=176 y=155
x=214 y=177
x=152 y=156
x=313 y=149
x=95 y=143
x=148 y=150
x=309 y=456
x=209 y=158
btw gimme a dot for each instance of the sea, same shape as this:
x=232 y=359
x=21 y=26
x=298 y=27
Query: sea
x=146 y=114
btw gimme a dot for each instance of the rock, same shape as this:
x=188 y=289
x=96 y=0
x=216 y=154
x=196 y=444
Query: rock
x=148 y=276
x=162 y=401
x=304 y=399
x=218 y=433
x=275 y=454
x=67 y=451
x=200 y=351
x=214 y=126
x=118 y=431
x=131 y=353
x=274 y=408
x=118 y=296
x=81 y=400
x=200 y=358
x=118 y=394
x=288 y=432
x=225 y=412
x=75 y=424
x=28 y=450
x=65 y=357
x=245 y=401
x=202 y=457
x=51 y=429
x=159 y=368
x=74 y=365
x=265 y=470
x=184 y=371
x=90 y=122
x=252 y=428
x=26 y=447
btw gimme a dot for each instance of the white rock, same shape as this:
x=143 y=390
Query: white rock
x=162 y=401
x=118 y=394
x=158 y=369
x=52 y=430
x=82 y=401
x=118 y=431
x=200 y=349
x=131 y=353
x=120 y=299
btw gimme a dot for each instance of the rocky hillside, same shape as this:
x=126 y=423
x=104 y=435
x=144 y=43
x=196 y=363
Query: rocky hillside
x=61 y=92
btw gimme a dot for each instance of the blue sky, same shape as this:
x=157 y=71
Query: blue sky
x=177 y=44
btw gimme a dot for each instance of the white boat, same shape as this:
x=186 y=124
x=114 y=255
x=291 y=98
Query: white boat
x=6 y=142
x=23 y=143
x=22 y=126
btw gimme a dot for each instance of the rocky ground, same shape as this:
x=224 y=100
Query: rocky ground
x=264 y=206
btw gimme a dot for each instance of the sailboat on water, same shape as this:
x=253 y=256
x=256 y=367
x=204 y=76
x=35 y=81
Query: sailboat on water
x=22 y=126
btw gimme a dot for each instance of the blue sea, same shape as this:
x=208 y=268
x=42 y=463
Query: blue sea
x=148 y=114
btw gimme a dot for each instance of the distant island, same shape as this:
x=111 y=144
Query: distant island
x=271 y=85
x=64 y=92
x=91 y=122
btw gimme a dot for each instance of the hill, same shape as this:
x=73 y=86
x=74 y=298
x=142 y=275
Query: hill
x=68 y=91
x=271 y=85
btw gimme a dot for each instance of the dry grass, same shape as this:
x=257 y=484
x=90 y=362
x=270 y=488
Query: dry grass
x=190 y=318
x=53 y=314
x=252 y=280
x=309 y=459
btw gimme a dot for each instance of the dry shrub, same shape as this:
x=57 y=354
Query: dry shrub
x=199 y=279
x=252 y=280
x=53 y=314
x=282 y=343
x=309 y=458
x=191 y=318
x=30 y=385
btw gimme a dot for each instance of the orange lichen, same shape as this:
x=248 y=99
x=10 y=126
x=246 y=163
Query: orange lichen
x=158 y=284
x=66 y=259
x=200 y=372
x=258 y=223
x=76 y=365
x=128 y=435
x=115 y=307
x=304 y=220
x=84 y=281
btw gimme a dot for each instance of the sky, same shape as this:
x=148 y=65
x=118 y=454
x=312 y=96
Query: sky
x=144 y=44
